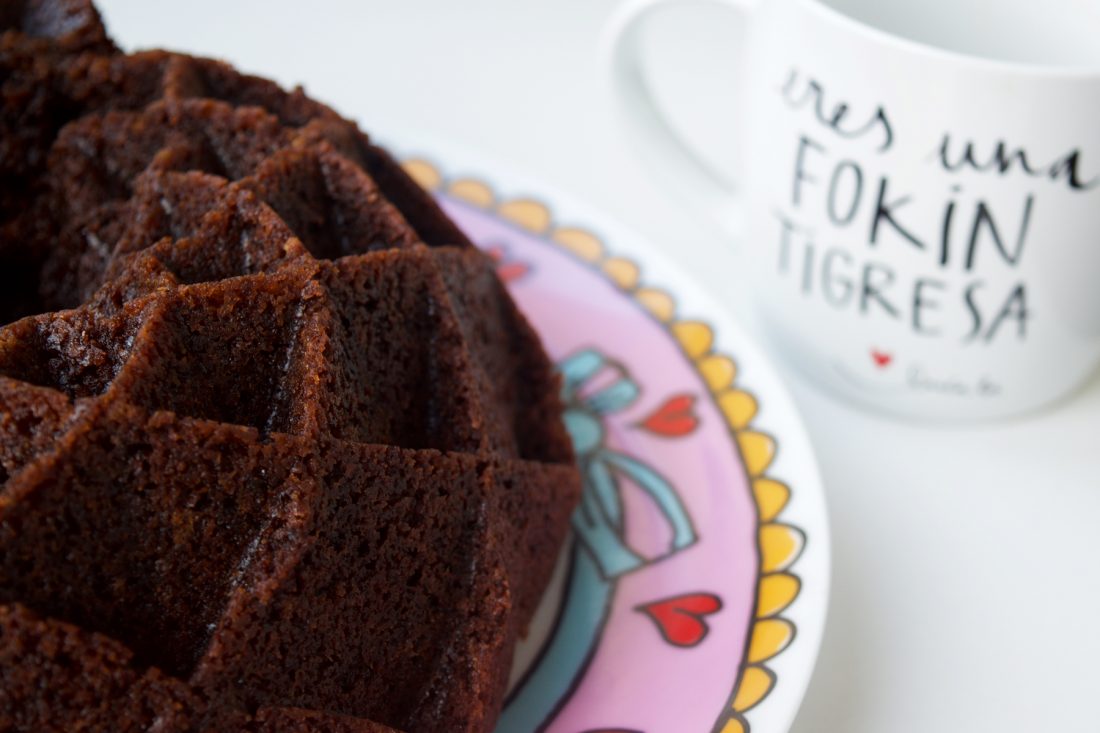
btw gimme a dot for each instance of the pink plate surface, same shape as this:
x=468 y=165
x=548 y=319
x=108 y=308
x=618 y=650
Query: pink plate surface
x=678 y=593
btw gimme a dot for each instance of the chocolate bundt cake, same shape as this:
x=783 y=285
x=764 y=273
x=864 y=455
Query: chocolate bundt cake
x=277 y=451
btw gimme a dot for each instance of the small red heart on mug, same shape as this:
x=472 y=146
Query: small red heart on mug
x=674 y=418
x=881 y=358
x=681 y=619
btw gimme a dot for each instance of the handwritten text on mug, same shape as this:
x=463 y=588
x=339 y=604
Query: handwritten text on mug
x=967 y=235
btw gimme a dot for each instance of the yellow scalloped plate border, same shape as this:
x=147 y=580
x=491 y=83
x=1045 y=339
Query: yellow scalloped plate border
x=779 y=543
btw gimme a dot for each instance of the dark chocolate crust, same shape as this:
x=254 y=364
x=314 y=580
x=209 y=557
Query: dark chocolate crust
x=277 y=451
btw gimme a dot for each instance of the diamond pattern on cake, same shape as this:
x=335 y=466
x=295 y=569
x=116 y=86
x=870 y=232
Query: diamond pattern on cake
x=277 y=451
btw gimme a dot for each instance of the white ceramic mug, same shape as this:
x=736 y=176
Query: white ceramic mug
x=920 y=199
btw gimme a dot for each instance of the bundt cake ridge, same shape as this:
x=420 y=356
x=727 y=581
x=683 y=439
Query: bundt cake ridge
x=277 y=451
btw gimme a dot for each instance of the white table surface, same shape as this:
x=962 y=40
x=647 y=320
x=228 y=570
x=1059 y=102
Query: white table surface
x=965 y=590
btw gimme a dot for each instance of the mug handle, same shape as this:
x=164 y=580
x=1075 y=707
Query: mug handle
x=646 y=124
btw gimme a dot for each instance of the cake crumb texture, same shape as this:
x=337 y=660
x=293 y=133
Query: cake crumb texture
x=278 y=453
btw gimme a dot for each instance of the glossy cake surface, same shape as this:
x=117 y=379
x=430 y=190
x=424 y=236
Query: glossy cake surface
x=277 y=452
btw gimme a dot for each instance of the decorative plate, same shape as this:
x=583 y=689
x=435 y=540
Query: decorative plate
x=691 y=595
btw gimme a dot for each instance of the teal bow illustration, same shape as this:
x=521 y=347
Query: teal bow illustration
x=601 y=555
x=599 y=521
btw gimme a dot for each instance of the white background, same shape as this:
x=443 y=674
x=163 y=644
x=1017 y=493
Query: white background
x=965 y=590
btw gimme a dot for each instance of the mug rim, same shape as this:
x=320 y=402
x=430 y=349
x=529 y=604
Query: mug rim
x=1069 y=72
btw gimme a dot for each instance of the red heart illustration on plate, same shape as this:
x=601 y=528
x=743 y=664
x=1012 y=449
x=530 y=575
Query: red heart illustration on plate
x=882 y=359
x=510 y=271
x=506 y=270
x=681 y=619
x=674 y=418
